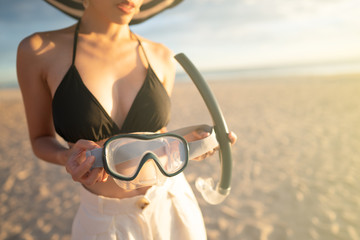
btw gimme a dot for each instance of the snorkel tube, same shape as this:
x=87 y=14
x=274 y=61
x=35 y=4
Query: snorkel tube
x=211 y=194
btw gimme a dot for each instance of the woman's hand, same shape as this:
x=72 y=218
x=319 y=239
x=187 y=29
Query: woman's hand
x=78 y=165
x=232 y=137
x=197 y=135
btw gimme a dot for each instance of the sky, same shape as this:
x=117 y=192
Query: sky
x=218 y=34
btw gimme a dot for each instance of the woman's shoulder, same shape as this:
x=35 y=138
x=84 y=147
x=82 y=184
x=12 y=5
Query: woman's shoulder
x=162 y=61
x=158 y=50
x=39 y=43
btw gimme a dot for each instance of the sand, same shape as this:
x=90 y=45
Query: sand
x=296 y=163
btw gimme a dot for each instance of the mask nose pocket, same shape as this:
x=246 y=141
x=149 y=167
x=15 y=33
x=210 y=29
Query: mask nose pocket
x=149 y=175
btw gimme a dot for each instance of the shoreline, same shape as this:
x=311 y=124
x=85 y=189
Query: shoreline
x=223 y=77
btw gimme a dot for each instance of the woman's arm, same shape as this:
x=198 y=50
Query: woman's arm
x=31 y=71
x=37 y=101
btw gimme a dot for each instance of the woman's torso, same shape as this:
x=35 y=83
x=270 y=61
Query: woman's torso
x=115 y=81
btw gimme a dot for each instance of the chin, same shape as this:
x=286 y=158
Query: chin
x=121 y=20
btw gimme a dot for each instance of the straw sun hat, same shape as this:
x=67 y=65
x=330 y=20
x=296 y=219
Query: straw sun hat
x=149 y=8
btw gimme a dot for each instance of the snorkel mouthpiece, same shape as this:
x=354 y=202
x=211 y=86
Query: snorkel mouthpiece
x=206 y=187
x=211 y=195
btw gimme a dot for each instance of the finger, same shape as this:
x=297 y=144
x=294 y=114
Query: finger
x=197 y=135
x=105 y=176
x=74 y=161
x=201 y=134
x=198 y=159
x=85 y=145
x=205 y=155
x=232 y=137
x=80 y=172
x=79 y=157
x=93 y=177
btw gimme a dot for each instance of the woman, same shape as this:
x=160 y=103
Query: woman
x=89 y=82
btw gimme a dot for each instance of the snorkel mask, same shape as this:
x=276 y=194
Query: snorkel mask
x=167 y=154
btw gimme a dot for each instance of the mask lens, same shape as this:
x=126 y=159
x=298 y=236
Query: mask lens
x=125 y=156
x=173 y=154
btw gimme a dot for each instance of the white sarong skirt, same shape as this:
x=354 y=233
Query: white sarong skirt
x=167 y=212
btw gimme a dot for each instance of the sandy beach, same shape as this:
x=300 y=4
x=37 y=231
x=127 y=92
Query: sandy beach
x=296 y=163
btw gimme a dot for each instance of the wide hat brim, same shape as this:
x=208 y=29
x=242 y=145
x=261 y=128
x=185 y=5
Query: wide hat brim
x=149 y=8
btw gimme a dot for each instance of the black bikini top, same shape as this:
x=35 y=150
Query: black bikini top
x=78 y=114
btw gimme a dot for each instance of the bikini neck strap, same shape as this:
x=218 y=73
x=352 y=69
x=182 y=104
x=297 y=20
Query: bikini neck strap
x=75 y=42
